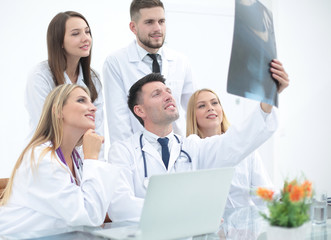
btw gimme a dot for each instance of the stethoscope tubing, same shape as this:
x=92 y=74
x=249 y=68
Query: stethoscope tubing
x=144 y=156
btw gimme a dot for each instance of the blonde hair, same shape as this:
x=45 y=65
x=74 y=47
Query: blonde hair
x=191 y=119
x=49 y=128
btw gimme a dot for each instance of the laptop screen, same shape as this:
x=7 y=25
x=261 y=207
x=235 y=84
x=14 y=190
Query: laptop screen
x=185 y=204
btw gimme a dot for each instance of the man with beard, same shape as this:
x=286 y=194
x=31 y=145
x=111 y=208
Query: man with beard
x=144 y=55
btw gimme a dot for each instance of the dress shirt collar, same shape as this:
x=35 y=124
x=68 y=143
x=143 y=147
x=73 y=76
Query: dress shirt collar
x=142 y=52
x=152 y=138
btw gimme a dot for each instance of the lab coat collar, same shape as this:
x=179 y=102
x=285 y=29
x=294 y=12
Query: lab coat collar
x=80 y=79
x=166 y=53
x=137 y=53
x=141 y=52
x=150 y=139
x=134 y=58
x=78 y=172
x=149 y=136
x=149 y=149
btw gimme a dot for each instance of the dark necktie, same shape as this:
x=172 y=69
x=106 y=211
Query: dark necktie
x=156 y=66
x=165 y=150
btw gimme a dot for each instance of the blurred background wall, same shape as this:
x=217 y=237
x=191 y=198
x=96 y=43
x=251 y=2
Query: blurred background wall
x=201 y=29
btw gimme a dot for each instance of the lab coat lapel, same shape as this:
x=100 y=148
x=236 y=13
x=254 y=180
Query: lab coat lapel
x=165 y=67
x=167 y=60
x=135 y=59
x=142 y=67
x=175 y=152
x=151 y=152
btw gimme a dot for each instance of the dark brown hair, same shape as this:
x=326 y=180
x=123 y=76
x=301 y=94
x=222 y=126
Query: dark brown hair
x=57 y=60
x=134 y=97
x=136 y=5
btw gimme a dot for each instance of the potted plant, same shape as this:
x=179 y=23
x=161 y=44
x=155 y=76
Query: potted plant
x=289 y=211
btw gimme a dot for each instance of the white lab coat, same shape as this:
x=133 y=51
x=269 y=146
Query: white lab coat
x=47 y=199
x=218 y=151
x=123 y=68
x=248 y=176
x=40 y=83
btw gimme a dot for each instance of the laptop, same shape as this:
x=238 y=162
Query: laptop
x=179 y=205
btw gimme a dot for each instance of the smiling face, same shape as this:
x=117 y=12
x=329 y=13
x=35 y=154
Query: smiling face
x=209 y=113
x=157 y=106
x=150 y=28
x=77 y=38
x=78 y=112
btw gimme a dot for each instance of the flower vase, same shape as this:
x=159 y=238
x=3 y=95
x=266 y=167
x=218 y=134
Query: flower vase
x=276 y=232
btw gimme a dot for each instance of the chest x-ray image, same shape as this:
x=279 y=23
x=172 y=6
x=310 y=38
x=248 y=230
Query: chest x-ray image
x=253 y=48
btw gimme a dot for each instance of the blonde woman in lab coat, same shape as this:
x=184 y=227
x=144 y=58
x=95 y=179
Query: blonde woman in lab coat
x=206 y=118
x=69 y=44
x=48 y=188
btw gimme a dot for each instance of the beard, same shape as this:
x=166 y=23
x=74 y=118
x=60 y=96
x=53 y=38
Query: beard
x=172 y=118
x=163 y=118
x=149 y=44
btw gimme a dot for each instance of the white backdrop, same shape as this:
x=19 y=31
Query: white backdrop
x=304 y=139
x=202 y=29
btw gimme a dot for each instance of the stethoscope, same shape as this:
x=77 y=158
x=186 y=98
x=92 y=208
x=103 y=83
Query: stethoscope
x=75 y=156
x=144 y=157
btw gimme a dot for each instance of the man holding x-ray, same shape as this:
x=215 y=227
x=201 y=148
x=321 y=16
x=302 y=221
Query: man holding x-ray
x=157 y=150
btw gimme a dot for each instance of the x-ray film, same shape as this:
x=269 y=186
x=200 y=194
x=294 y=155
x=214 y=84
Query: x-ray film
x=253 y=48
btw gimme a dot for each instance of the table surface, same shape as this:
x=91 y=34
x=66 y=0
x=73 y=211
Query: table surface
x=239 y=223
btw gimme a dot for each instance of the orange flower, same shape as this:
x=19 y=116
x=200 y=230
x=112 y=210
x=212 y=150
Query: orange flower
x=265 y=194
x=288 y=186
x=293 y=199
x=297 y=193
x=306 y=185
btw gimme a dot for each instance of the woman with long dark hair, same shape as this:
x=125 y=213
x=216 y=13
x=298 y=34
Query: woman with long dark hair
x=69 y=43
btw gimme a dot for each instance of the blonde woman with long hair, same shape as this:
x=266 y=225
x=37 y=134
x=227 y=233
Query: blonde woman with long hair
x=206 y=118
x=48 y=188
